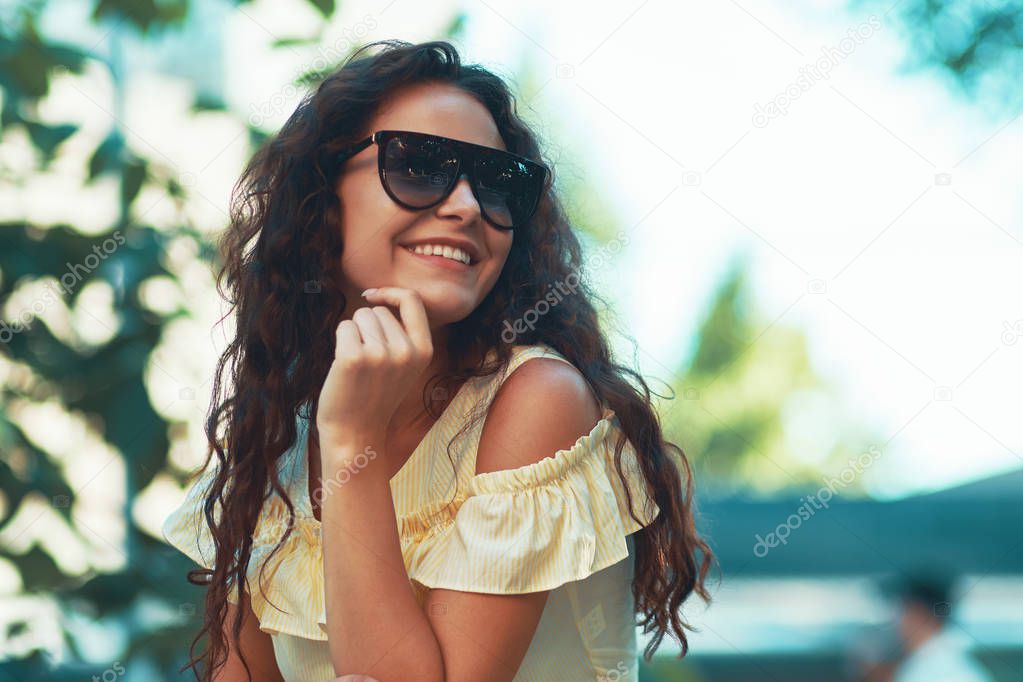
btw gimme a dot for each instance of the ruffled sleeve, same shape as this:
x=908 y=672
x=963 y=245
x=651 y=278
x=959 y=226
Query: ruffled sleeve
x=185 y=528
x=290 y=596
x=539 y=526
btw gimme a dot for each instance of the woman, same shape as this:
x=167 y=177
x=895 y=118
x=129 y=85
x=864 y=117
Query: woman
x=556 y=514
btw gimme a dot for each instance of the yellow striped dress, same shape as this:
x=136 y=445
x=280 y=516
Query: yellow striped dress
x=559 y=524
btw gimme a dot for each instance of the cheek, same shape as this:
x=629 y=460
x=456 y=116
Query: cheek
x=368 y=223
x=365 y=207
x=499 y=246
x=498 y=262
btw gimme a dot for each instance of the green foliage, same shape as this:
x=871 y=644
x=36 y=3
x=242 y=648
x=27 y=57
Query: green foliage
x=145 y=14
x=47 y=138
x=324 y=7
x=103 y=383
x=27 y=64
x=976 y=44
x=725 y=331
x=729 y=400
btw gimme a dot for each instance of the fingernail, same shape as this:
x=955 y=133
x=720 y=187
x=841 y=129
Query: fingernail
x=369 y=291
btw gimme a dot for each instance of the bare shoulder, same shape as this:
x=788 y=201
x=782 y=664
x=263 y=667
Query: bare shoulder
x=543 y=406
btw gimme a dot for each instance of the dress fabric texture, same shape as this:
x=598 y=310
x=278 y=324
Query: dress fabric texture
x=561 y=524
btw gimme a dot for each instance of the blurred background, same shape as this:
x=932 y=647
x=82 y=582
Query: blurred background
x=805 y=218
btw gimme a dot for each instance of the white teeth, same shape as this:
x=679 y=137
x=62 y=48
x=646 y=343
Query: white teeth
x=442 y=250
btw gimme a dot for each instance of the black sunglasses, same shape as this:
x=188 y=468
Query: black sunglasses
x=419 y=170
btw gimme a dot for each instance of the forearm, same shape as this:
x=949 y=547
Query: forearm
x=374 y=624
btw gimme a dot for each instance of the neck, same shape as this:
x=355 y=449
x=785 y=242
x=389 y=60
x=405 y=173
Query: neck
x=922 y=635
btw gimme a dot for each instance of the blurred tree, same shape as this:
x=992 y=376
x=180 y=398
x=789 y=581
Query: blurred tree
x=44 y=271
x=732 y=396
x=976 y=44
x=103 y=382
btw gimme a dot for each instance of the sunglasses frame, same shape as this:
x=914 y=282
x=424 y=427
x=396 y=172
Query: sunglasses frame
x=466 y=154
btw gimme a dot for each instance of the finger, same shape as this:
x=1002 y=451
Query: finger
x=369 y=327
x=397 y=339
x=410 y=308
x=348 y=338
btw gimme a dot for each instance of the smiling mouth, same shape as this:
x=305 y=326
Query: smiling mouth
x=440 y=261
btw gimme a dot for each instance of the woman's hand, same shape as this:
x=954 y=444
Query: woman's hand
x=377 y=360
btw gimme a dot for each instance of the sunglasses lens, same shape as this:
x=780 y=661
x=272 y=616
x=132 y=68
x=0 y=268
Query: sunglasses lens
x=508 y=189
x=419 y=170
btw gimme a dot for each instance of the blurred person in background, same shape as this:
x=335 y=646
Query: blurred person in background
x=933 y=651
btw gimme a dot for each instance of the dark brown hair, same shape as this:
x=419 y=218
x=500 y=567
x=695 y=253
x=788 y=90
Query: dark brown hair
x=281 y=260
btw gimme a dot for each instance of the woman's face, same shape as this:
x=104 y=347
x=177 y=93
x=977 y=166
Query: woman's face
x=374 y=228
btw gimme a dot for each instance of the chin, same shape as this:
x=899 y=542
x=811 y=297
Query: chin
x=444 y=308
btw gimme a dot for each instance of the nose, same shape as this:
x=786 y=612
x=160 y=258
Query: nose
x=460 y=202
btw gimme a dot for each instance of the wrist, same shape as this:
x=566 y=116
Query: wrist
x=349 y=436
x=343 y=458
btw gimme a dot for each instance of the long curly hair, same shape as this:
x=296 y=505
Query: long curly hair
x=281 y=258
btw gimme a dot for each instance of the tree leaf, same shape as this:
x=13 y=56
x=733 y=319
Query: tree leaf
x=107 y=157
x=134 y=176
x=325 y=7
x=47 y=138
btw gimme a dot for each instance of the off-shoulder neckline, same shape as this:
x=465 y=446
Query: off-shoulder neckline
x=302 y=447
x=303 y=451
